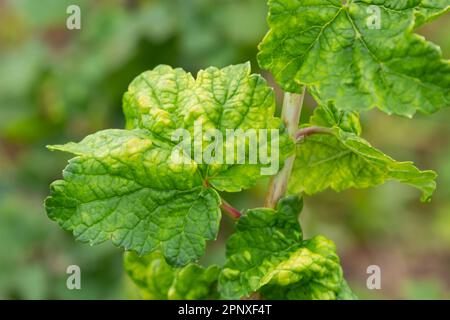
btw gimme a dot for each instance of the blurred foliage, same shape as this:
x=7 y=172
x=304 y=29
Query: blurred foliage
x=49 y=74
x=58 y=85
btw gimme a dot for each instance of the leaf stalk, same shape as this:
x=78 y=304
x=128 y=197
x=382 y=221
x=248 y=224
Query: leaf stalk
x=228 y=208
x=305 y=132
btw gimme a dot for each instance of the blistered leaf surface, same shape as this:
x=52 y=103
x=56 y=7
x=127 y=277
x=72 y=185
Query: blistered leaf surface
x=267 y=254
x=359 y=54
x=343 y=160
x=122 y=187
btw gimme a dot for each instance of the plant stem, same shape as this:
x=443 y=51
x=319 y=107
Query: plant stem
x=305 y=132
x=233 y=212
x=292 y=109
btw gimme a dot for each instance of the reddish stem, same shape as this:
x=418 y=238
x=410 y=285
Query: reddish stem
x=233 y=212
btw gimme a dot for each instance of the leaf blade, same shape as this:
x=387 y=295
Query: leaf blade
x=157 y=280
x=344 y=160
x=331 y=47
x=267 y=254
x=165 y=99
x=121 y=187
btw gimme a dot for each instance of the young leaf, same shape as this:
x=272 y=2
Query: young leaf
x=268 y=254
x=124 y=186
x=359 y=54
x=343 y=160
x=157 y=280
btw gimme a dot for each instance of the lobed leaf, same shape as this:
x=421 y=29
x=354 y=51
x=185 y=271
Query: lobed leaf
x=340 y=50
x=123 y=185
x=165 y=99
x=343 y=160
x=267 y=254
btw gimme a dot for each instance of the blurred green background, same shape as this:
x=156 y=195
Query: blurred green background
x=58 y=85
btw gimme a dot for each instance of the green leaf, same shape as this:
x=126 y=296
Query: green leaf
x=336 y=49
x=267 y=254
x=124 y=185
x=343 y=160
x=165 y=99
x=157 y=280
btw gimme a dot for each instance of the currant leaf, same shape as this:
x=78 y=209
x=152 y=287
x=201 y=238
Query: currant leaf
x=121 y=186
x=358 y=54
x=267 y=254
x=124 y=185
x=342 y=159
